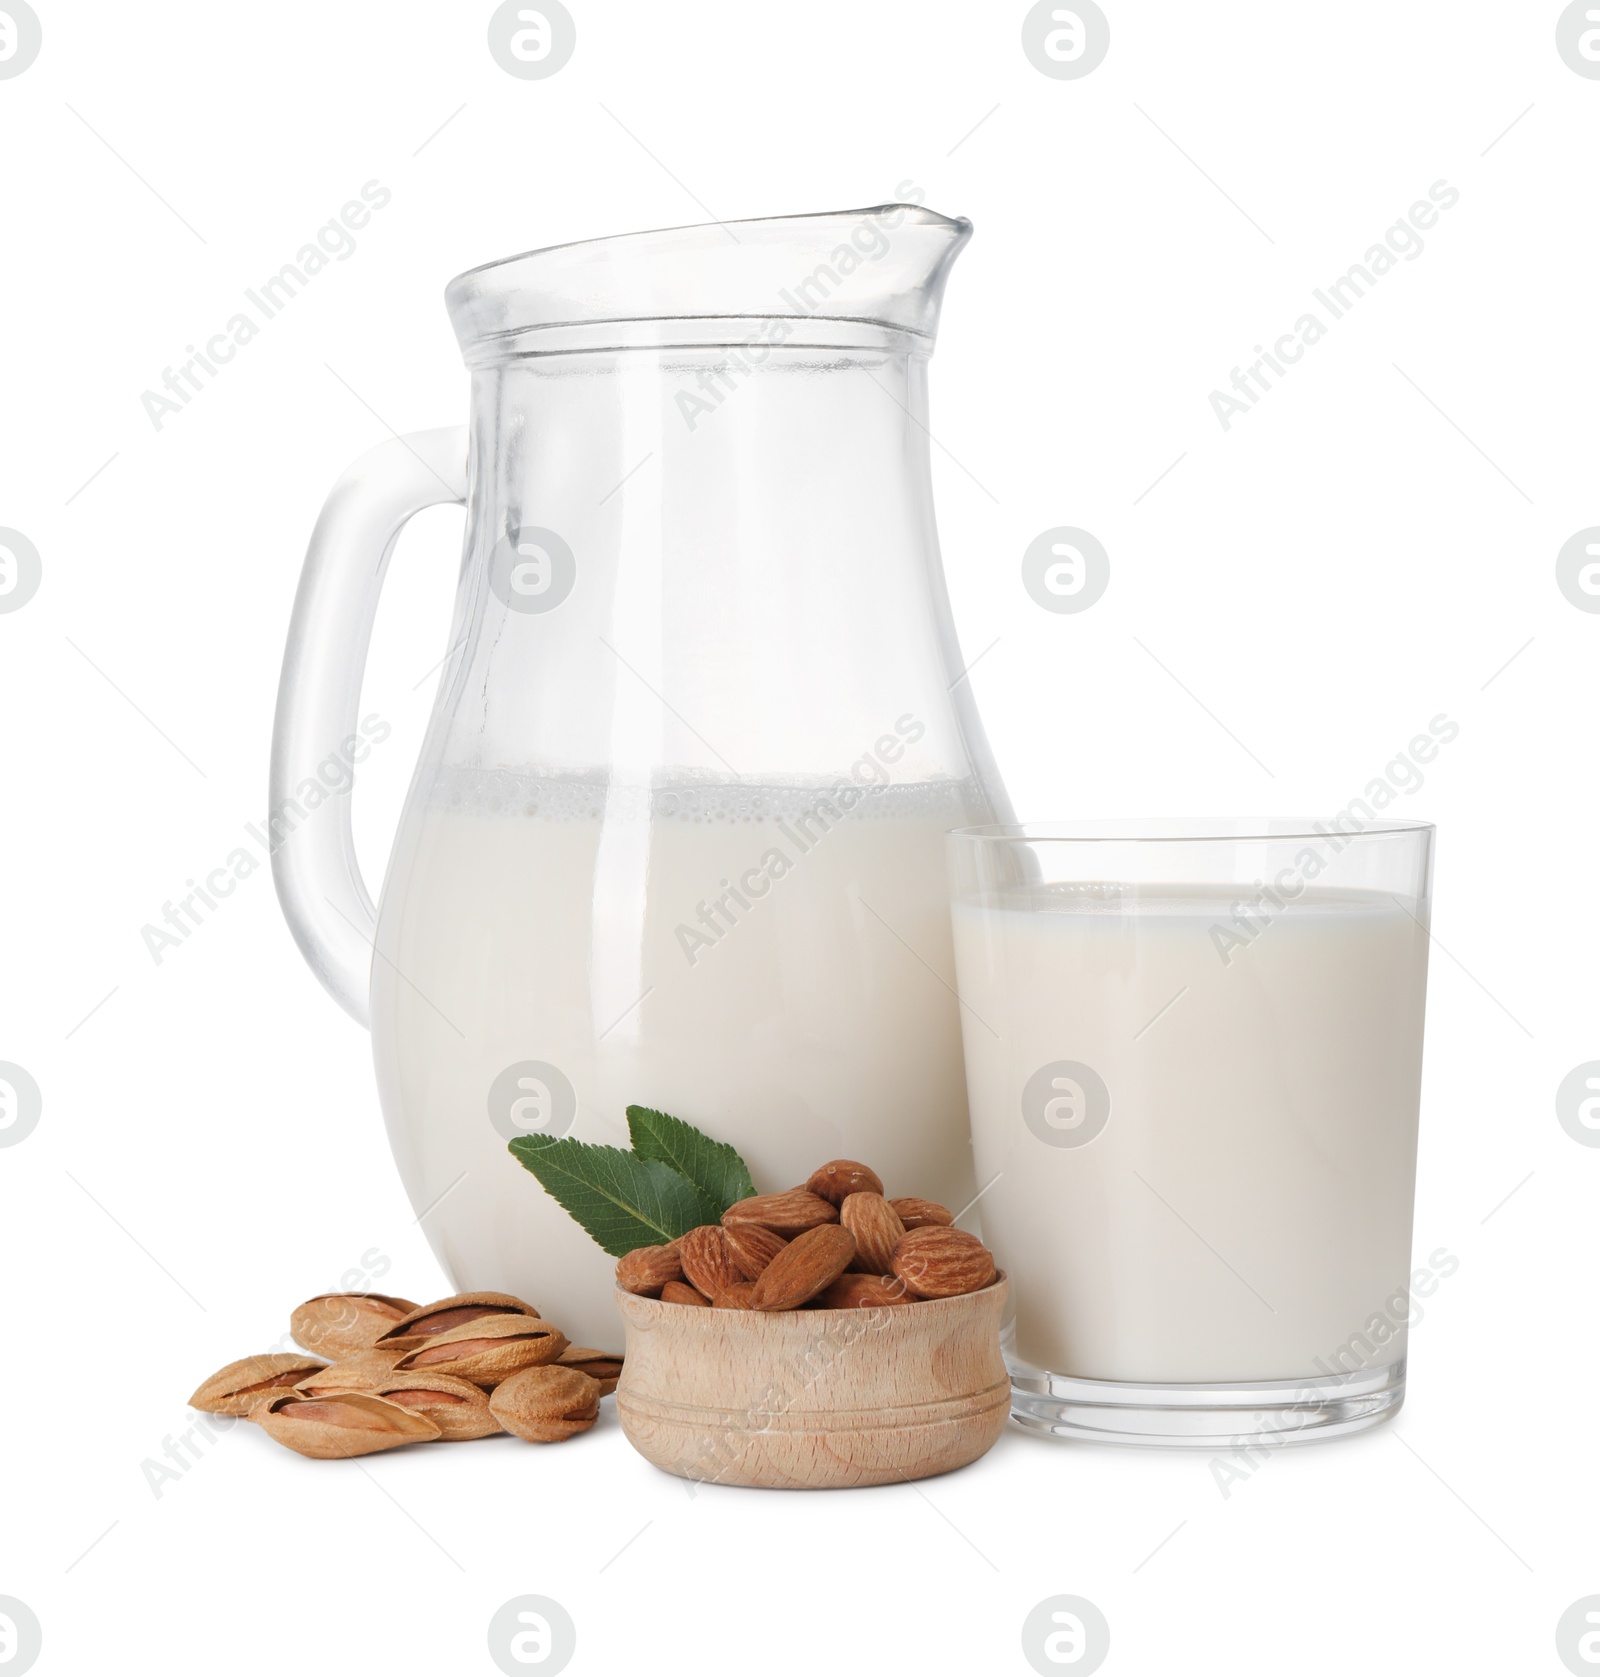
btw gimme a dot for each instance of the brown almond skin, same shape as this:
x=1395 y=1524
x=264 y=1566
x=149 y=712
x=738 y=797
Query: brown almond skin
x=787 y=1214
x=339 y=1324
x=546 y=1405
x=680 y=1292
x=241 y=1387
x=877 y=1228
x=839 y=1178
x=647 y=1269
x=921 y=1214
x=810 y=1263
x=706 y=1261
x=865 y=1292
x=342 y=1425
x=752 y=1248
x=939 y=1263
x=735 y=1296
x=427 y=1321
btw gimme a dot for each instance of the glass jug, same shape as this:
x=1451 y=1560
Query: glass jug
x=675 y=837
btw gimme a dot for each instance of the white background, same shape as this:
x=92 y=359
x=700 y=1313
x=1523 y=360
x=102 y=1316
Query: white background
x=1364 y=550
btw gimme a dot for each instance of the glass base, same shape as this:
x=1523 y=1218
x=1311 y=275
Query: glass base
x=1243 y=1415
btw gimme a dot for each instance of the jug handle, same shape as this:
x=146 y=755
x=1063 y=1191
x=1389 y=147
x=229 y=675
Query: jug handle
x=314 y=864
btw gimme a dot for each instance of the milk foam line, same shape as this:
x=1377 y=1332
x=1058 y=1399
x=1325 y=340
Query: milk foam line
x=590 y=795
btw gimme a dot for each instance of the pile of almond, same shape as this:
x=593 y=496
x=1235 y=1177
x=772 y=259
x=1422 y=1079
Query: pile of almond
x=836 y=1243
x=404 y=1373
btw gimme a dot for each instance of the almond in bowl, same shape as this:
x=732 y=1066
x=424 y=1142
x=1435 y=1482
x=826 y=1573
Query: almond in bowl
x=846 y=1344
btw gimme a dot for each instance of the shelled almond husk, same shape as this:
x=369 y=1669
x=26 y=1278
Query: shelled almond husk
x=457 y=1408
x=243 y=1386
x=428 y=1321
x=337 y=1324
x=365 y=1371
x=546 y=1405
x=488 y=1350
x=409 y=1374
x=603 y=1366
x=342 y=1424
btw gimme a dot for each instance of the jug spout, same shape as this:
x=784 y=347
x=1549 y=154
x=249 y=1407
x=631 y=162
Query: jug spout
x=857 y=278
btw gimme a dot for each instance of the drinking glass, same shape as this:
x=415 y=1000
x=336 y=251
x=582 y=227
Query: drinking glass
x=1193 y=1058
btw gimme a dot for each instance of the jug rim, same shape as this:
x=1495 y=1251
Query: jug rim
x=926 y=216
x=875 y=275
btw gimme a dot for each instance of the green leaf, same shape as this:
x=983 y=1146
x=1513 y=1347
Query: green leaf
x=713 y=1166
x=621 y=1200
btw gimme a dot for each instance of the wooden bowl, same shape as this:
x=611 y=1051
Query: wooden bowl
x=814 y=1399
